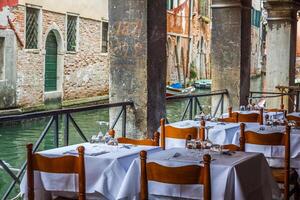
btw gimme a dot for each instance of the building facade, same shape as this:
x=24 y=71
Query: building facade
x=258 y=42
x=184 y=34
x=52 y=52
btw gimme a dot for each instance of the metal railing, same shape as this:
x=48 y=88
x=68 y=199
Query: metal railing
x=194 y=104
x=292 y=96
x=192 y=107
x=54 y=119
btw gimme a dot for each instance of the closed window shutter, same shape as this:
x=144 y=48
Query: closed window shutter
x=51 y=63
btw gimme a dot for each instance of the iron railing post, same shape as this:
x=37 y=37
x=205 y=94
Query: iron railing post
x=222 y=105
x=124 y=121
x=191 y=108
x=195 y=106
x=297 y=101
x=79 y=131
x=66 y=129
x=56 y=131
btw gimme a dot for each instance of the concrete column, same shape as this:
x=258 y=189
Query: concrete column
x=231 y=49
x=138 y=61
x=280 y=47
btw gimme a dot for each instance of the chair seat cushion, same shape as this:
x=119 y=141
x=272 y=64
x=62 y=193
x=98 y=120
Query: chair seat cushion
x=278 y=174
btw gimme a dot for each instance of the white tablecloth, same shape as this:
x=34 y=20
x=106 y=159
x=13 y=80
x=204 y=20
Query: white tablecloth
x=296 y=114
x=230 y=134
x=104 y=173
x=274 y=115
x=241 y=176
x=221 y=133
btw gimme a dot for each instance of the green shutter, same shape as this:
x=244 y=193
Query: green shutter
x=104 y=37
x=51 y=63
x=255 y=17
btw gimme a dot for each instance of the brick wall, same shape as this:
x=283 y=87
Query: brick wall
x=85 y=72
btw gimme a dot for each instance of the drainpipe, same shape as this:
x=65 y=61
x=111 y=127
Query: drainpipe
x=190 y=40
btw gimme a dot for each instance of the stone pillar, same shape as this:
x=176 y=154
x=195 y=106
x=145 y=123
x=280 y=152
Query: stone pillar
x=280 y=47
x=8 y=69
x=231 y=49
x=138 y=61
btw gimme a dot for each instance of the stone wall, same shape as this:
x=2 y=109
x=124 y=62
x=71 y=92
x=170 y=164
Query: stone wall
x=85 y=73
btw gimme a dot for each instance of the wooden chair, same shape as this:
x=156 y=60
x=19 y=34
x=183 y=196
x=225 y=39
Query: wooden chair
x=64 y=164
x=146 y=142
x=276 y=110
x=192 y=174
x=285 y=176
x=202 y=130
x=294 y=118
x=178 y=133
x=232 y=118
x=252 y=117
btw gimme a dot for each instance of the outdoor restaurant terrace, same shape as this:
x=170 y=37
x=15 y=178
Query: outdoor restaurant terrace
x=239 y=144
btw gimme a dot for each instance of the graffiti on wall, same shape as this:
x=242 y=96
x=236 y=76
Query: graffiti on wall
x=5 y=11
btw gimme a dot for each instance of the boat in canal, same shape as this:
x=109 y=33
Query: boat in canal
x=177 y=89
x=202 y=84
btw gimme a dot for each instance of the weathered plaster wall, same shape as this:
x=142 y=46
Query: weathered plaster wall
x=93 y=9
x=178 y=36
x=137 y=62
x=8 y=79
x=278 y=66
x=231 y=51
x=128 y=61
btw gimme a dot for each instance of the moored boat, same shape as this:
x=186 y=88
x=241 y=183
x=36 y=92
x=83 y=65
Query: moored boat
x=202 y=84
x=172 y=91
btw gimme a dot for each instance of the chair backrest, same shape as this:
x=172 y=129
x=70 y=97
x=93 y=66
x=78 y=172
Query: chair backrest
x=232 y=118
x=65 y=164
x=230 y=111
x=192 y=174
x=146 y=142
x=178 y=133
x=277 y=110
x=251 y=117
x=272 y=139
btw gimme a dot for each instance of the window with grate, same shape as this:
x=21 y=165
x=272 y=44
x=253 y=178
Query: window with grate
x=71 y=33
x=2 y=58
x=104 y=48
x=32 y=16
x=203 y=7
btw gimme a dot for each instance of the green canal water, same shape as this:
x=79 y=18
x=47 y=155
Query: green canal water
x=14 y=136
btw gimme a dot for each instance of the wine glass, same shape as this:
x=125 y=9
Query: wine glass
x=189 y=144
x=292 y=123
x=207 y=143
x=242 y=108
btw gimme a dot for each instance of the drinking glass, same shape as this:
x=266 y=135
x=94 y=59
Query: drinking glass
x=242 y=108
x=207 y=143
x=93 y=139
x=292 y=123
x=190 y=144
